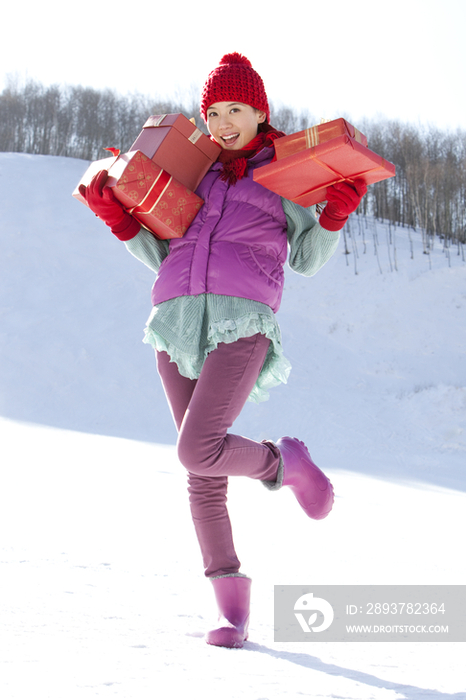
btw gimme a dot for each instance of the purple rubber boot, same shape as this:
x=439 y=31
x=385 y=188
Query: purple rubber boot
x=233 y=594
x=308 y=483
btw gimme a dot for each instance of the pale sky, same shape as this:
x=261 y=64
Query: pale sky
x=401 y=59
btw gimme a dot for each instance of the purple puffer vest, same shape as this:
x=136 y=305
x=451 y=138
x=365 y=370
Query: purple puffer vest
x=236 y=245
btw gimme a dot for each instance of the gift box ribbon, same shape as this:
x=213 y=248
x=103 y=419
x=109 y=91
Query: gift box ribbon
x=312 y=136
x=154 y=194
x=114 y=151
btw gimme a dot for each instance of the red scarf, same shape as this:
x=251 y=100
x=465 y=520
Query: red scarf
x=235 y=163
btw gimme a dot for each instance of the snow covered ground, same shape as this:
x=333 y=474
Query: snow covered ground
x=102 y=592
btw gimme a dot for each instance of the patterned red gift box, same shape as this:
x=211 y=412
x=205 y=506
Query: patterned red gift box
x=303 y=176
x=178 y=146
x=151 y=195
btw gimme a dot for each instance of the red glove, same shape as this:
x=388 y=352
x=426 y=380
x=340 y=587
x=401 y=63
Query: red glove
x=342 y=200
x=104 y=204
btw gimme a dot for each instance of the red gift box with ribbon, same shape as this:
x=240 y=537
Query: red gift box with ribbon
x=151 y=195
x=178 y=146
x=310 y=161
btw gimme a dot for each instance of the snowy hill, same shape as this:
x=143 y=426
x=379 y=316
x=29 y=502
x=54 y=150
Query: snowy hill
x=378 y=358
x=99 y=563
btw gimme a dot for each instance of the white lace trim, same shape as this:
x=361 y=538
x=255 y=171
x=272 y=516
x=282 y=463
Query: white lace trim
x=276 y=368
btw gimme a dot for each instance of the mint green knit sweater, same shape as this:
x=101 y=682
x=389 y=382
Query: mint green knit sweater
x=189 y=327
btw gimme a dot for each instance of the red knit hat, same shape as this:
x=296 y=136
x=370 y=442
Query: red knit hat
x=234 y=80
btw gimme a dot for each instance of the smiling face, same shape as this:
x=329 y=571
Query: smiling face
x=233 y=124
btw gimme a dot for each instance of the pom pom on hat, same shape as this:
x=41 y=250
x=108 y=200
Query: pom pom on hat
x=234 y=57
x=234 y=80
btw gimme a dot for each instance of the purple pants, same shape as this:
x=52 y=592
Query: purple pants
x=203 y=410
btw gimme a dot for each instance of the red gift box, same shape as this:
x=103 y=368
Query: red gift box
x=304 y=176
x=151 y=195
x=178 y=146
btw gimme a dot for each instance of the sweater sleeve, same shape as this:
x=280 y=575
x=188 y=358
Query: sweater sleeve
x=148 y=249
x=311 y=246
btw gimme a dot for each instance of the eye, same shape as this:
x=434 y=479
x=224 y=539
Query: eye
x=211 y=114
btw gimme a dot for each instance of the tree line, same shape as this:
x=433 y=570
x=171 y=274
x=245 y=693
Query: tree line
x=428 y=192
